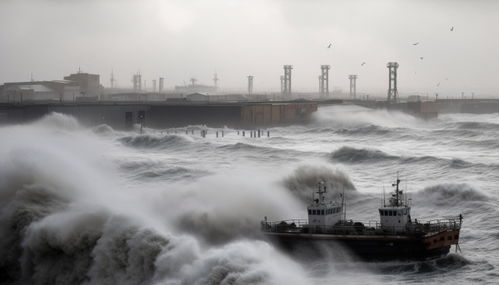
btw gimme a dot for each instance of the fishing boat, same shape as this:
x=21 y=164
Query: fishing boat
x=395 y=236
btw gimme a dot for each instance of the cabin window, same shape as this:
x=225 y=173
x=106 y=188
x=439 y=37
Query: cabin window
x=310 y=212
x=399 y=213
x=313 y=212
x=390 y=213
x=456 y=237
x=449 y=237
x=442 y=238
x=322 y=212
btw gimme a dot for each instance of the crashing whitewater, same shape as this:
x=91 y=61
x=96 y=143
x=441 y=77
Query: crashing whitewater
x=99 y=206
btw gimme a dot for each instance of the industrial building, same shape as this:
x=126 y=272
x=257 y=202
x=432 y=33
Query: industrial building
x=89 y=83
x=56 y=90
x=75 y=87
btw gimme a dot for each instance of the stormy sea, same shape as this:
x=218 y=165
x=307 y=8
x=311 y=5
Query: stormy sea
x=94 y=205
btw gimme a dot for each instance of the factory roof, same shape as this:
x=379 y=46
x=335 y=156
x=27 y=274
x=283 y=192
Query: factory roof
x=34 y=87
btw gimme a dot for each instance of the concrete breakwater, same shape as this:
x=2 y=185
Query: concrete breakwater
x=162 y=114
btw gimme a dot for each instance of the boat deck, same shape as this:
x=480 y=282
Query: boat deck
x=371 y=228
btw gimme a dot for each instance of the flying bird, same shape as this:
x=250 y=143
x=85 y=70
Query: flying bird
x=363 y=63
x=452 y=28
x=415 y=44
x=330 y=45
x=421 y=57
x=438 y=84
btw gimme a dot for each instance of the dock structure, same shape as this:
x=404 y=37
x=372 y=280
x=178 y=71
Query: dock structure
x=124 y=115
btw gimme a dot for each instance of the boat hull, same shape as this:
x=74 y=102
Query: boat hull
x=374 y=247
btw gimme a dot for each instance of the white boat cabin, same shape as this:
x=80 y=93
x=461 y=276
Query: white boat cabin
x=323 y=212
x=396 y=216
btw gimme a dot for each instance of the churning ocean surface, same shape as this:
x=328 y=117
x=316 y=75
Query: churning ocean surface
x=94 y=205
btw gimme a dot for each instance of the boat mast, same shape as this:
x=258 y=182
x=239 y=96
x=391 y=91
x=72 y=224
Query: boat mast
x=343 y=204
x=321 y=191
x=384 y=198
x=396 y=185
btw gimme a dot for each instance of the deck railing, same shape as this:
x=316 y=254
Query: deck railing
x=362 y=228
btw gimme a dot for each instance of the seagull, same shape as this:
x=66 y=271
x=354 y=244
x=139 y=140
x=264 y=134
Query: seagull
x=438 y=84
x=363 y=63
x=452 y=28
x=415 y=44
x=330 y=45
x=421 y=57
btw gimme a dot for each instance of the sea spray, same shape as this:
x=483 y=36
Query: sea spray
x=304 y=180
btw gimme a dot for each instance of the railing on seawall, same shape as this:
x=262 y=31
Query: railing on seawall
x=420 y=227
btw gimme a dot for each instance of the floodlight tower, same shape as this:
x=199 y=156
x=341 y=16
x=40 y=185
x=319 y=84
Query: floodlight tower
x=287 y=79
x=353 y=86
x=324 y=85
x=161 y=84
x=250 y=84
x=137 y=81
x=392 y=82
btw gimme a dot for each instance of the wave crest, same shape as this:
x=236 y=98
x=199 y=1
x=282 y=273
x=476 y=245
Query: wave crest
x=150 y=141
x=451 y=194
x=58 y=121
x=355 y=155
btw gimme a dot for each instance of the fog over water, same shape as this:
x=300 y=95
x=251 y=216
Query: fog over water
x=99 y=206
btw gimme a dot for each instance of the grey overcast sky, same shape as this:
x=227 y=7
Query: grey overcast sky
x=180 y=39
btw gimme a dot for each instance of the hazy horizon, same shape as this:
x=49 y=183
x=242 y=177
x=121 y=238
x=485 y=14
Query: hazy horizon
x=183 y=39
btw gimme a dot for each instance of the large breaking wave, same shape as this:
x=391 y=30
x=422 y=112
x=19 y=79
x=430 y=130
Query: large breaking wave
x=67 y=219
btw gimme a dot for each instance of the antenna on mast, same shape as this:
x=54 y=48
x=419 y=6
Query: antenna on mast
x=384 y=198
x=396 y=185
x=343 y=203
x=113 y=80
